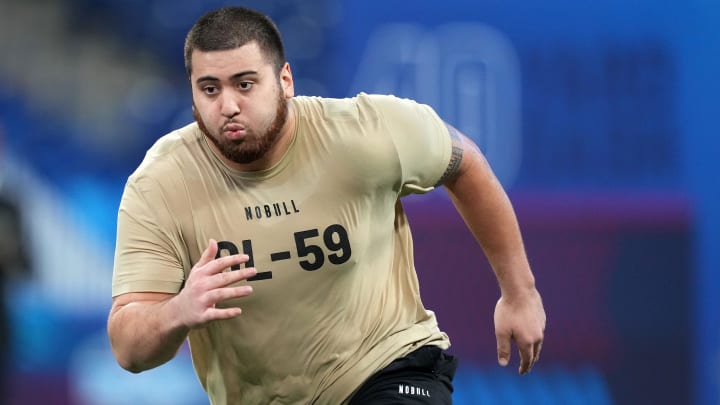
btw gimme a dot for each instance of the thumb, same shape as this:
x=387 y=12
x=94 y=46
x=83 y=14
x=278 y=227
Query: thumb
x=503 y=349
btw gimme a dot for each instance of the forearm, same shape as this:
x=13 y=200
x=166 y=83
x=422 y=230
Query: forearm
x=145 y=334
x=483 y=204
x=488 y=213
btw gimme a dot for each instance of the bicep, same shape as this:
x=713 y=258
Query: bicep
x=465 y=157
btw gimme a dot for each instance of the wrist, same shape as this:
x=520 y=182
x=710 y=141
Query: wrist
x=518 y=286
x=174 y=314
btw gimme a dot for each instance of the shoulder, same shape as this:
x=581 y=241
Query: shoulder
x=362 y=107
x=167 y=169
x=325 y=108
x=388 y=102
x=395 y=111
x=169 y=153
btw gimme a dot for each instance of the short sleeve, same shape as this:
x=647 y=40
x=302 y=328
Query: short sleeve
x=421 y=139
x=146 y=259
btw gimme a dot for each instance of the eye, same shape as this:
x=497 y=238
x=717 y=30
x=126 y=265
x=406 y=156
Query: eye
x=210 y=90
x=245 y=85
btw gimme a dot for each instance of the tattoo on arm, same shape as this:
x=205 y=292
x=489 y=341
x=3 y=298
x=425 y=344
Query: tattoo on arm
x=455 y=157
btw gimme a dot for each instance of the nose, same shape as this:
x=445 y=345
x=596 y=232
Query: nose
x=230 y=105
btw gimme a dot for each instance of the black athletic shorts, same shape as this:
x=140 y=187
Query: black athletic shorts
x=423 y=377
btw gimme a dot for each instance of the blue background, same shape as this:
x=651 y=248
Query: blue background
x=600 y=119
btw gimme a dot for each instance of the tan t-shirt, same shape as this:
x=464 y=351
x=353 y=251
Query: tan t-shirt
x=336 y=297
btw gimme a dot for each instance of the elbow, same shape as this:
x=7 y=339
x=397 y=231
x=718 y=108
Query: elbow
x=132 y=368
x=121 y=350
x=127 y=364
x=125 y=359
x=129 y=358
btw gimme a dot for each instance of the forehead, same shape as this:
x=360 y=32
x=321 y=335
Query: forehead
x=228 y=62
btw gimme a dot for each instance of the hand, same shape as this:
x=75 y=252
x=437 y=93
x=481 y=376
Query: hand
x=208 y=284
x=520 y=318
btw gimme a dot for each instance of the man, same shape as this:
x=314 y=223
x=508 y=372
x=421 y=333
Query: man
x=270 y=235
x=14 y=262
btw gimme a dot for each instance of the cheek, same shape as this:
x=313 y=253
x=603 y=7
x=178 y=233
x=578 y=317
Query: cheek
x=204 y=111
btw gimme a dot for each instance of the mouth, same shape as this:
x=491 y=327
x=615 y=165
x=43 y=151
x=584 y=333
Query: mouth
x=234 y=131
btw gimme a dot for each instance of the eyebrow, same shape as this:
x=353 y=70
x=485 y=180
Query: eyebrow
x=233 y=77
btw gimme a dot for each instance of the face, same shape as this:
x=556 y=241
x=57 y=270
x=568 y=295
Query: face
x=240 y=102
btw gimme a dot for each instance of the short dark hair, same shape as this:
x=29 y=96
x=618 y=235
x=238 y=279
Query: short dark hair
x=233 y=27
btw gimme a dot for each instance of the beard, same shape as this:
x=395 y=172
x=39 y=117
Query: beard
x=252 y=146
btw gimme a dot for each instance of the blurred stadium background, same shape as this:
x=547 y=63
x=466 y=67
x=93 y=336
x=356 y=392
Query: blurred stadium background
x=600 y=118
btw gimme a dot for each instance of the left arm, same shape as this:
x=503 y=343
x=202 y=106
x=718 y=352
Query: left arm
x=486 y=209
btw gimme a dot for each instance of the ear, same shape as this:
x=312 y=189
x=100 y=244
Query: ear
x=286 y=81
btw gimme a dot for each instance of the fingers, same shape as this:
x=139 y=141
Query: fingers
x=208 y=254
x=214 y=312
x=521 y=320
x=529 y=352
x=211 y=264
x=537 y=349
x=503 y=349
x=204 y=296
x=209 y=271
x=224 y=313
x=227 y=293
x=208 y=285
x=225 y=262
x=529 y=355
x=228 y=278
x=526 y=357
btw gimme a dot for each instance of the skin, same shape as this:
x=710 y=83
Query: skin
x=481 y=201
x=147 y=329
x=230 y=91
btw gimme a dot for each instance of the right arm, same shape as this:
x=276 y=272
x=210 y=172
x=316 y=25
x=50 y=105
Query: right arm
x=147 y=329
